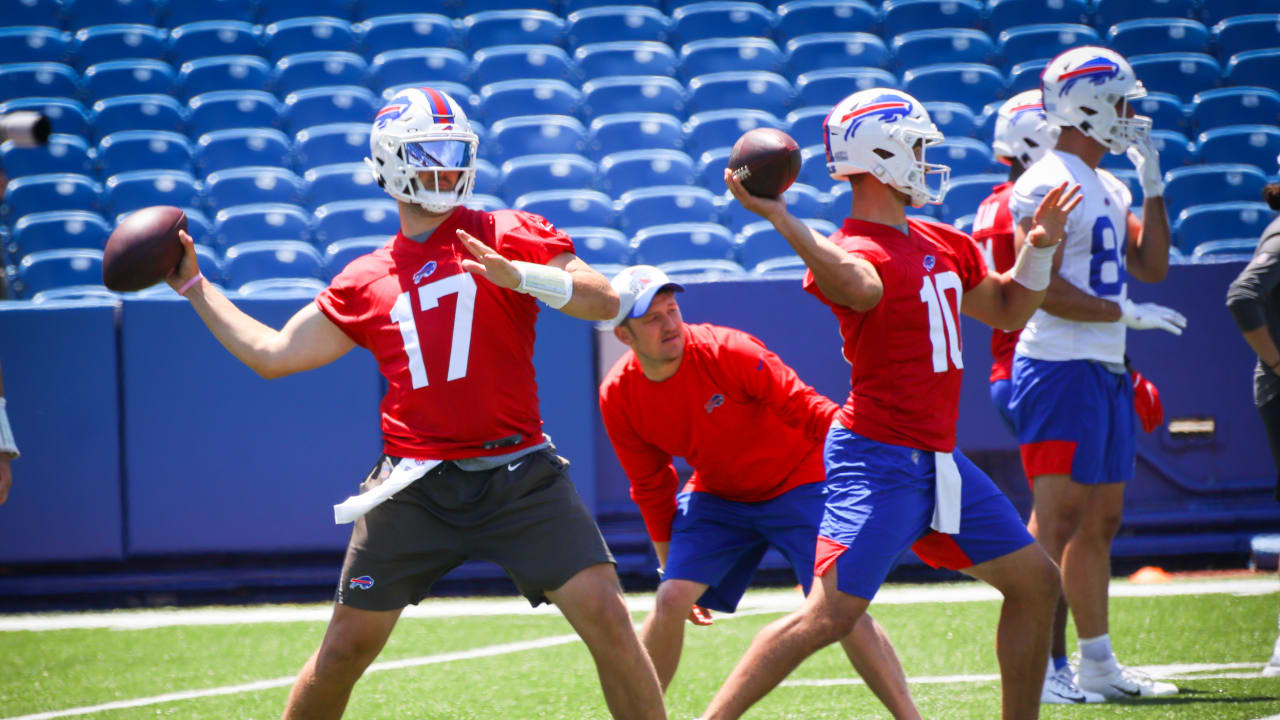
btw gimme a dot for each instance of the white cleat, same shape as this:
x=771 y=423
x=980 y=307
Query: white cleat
x=1117 y=682
x=1061 y=689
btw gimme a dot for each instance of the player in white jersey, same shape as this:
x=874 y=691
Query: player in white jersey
x=1072 y=399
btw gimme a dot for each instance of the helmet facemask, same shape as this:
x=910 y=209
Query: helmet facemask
x=923 y=182
x=423 y=131
x=1113 y=126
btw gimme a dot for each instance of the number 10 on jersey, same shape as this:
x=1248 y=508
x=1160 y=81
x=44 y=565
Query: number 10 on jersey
x=429 y=299
x=944 y=325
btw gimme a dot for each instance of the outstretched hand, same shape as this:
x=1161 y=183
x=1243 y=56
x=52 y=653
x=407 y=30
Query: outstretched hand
x=488 y=263
x=188 y=267
x=1051 y=216
x=765 y=207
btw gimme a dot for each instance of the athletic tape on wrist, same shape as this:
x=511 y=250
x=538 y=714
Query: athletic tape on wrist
x=1034 y=267
x=551 y=285
x=7 y=443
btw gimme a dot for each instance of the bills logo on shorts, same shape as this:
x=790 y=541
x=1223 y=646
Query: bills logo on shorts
x=1096 y=71
x=364 y=582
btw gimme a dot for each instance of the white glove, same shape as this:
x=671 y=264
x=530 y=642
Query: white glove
x=1150 y=316
x=1146 y=160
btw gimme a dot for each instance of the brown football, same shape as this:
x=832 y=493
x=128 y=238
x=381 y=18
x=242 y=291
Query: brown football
x=144 y=248
x=766 y=160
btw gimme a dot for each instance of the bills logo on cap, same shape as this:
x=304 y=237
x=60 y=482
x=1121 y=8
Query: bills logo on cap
x=1096 y=71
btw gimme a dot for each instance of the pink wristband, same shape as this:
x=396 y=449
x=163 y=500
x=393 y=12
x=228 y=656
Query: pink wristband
x=187 y=285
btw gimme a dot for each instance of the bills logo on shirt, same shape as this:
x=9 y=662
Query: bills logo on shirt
x=716 y=401
x=1096 y=71
x=424 y=272
x=929 y=262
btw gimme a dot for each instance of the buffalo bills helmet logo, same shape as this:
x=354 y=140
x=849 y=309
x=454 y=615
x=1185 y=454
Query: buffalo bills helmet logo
x=364 y=582
x=1017 y=113
x=1096 y=71
x=392 y=111
x=888 y=108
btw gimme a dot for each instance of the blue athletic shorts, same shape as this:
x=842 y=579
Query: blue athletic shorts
x=720 y=543
x=880 y=501
x=1074 y=417
x=1000 y=392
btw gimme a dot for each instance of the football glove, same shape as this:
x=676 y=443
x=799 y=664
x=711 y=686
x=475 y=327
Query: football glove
x=1150 y=316
x=1146 y=161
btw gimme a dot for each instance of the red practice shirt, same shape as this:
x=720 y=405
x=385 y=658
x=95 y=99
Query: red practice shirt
x=746 y=423
x=905 y=352
x=993 y=231
x=456 y=350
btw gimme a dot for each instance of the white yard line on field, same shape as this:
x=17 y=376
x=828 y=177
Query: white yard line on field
x=1193 y=671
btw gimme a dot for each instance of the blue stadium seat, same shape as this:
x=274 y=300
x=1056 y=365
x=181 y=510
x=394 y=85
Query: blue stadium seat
x=339 y=254
x=633 y=169
x=626 y=57
x=1004 y=14
x=86 y=13
x=34 y=12
x=759 y=243
x=247 y=185
x=964 y=155
x=128 y=77
x=1202 y=223
x=531 y=173
x=50 y=269
x=282 y=288
x=571 y=6
x=1254 y=67
x=838 y=208
x=520 y=62
x=952 y=119
x=717 y=128
x=1165 y=110
x=570 y=208
x=76 y=293
x=727 y=54
x=33 y=43
x=66 y=116
x=801 y=17
x=144 y=150
x=1228 y=250
x=1210 y=183
x=223 y=109
x=1175 y=149
x=378 y=8
x=355 y=218
x=27 y=79
x=813 y=167
x=608 y=23
x=720 y=18
x=410 y=30
x=1255 y=144
x=1232 y=105
x=343 y=181
x=259 y=221
x=599 y=245
x=533 y=134
x=1110 y=12
x=137 y=112
x=1246 y=32
x=1179 y=73
x=62 y=154
x=263 y=259
x=1043 y=41
x=488 y=178
x=821 y=51
x=307 y=34
x=58 y=230
x=633 y=93
x=1026 y=75
x=634 y=131
x=550 y=6
x=331 y=143
x=828 y=87
x=803 y=201
x=769 y=92
x=417 y=66
x=321 y=105
x=711 y=165
x=275 y=10
x=928 y=47
x=965 y=193
x=1218 y=10
x=970 y=84
x=670 y=242
x=518 y=97
x=224 y=72
x=906 y=15
x=175 y=14
x=136 y=189
x=1129 y=177
x=205 y=38
x=488 y=28
x=200 y=229
x=805 y=124
x=666 y=204
x=306 y=70
x=114 y=42
x=1134 y=37
x=237 y=147
x=486 y=203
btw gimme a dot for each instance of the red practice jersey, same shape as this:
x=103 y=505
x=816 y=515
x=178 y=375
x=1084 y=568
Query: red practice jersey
x=905 y=351
x=456 y=350
x=993 y=231
x=746 y=423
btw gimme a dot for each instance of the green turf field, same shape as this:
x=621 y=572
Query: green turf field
x=521 y=664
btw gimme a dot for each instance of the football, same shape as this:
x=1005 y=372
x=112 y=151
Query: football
x=766 y=161
x=144 y=248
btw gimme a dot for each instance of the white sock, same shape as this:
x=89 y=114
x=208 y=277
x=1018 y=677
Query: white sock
x=1275 y=653
x=1097 y=649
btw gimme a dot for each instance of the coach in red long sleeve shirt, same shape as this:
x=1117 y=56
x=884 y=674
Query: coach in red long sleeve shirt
x=753 y=433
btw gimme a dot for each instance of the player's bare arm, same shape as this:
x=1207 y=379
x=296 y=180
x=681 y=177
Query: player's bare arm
x=1147 y=242
x=1064 y=299
x=309 y=340
x=1006 y=301
x=591 y=298
x=843 y=278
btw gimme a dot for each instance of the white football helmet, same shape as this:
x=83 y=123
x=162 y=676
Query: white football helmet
x=423 y=129
x=1022 y=132
x=1090 y=88
x=878 y=131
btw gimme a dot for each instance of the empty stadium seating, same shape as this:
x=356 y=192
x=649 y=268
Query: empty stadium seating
x=226 y=109
x=924 y=47
x=1203 y=184
x=245 y=185
x=532 y=134
x=137 y=189
x=118 y=41
x=265 y=259
x=626 y=57
x=206 y=38
x=634 y=169
x=568 y=208
x=638 y=209
x=337 y=255
x=1196 y=225
x=63 y=154
x=490 y=28
x=1135 y=37
x=618 y=132
x=355 y=218
x=726 y=54
x=906 y=15
x=222 y=149
x=1232 y=105
x=801 y=17
x=48 y=269
x=307 y=34
x=33 y=43
x=607 y=23
x=407 y=30
x=531 y=173
x=58 y=230
x=260 y=221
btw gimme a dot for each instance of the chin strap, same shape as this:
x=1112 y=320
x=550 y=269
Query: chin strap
x=551 y=285
x=1034 y=267
x=7 y=443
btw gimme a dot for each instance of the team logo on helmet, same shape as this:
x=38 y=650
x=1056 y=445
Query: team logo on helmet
x=392 y=111
x=888 y=108
x=1096 y=71
x=1017 y=113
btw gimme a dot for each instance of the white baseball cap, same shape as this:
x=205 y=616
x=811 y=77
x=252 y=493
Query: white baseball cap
x=636 y=286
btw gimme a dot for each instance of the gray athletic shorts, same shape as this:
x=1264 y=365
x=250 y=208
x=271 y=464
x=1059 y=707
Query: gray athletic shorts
x=525 y=516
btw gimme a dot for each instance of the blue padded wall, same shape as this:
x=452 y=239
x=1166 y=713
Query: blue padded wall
x=565 y=364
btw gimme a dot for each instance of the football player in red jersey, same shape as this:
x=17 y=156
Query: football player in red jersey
x=753 y=432
x=447 y=307
x=894 y=476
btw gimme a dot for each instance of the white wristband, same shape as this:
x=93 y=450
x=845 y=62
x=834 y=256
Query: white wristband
x=1034 y=267
x=551 y=285
x=7 y=443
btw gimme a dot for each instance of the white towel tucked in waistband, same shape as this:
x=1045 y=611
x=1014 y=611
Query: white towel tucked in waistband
x=404 y=473
x=946 y=509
